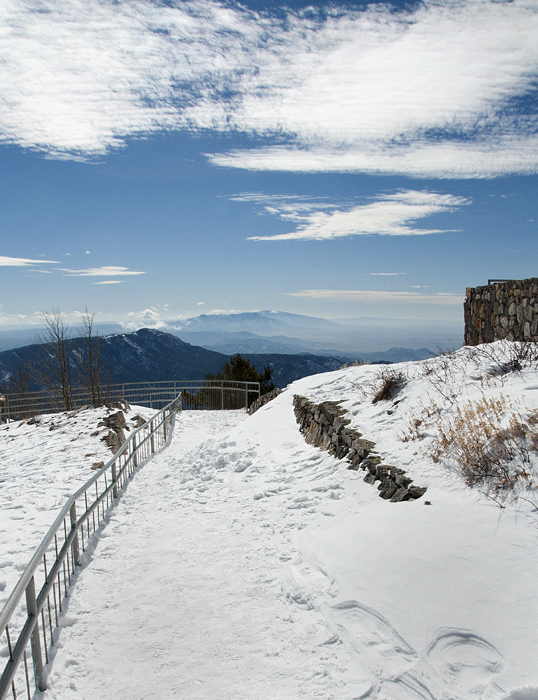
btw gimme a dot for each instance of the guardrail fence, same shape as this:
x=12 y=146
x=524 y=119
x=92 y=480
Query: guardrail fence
x=199 y=394
x=32 y=613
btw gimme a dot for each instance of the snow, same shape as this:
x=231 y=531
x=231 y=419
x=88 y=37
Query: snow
x=41 y=464
x=242 y=563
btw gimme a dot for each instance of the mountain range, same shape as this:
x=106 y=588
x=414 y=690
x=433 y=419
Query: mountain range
x=294 y=346
x=152 y=355
x=283 y=332
x=279 y=332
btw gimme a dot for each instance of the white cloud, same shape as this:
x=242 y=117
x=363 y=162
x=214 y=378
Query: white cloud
x=14 y=319
x=105 y=271
x=110 y=282
x=200 y=303
x=389 y=215
x=487 y=158
x=21 y=262
x=376 y=296
x=152 y=316
x=444 y=90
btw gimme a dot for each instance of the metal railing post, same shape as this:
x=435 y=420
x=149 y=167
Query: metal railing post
x=164 y=426
x=135 y=452
x=35 y=642
x=152 y=438
x=114 y=480
x=222 y=396
x=75 y=546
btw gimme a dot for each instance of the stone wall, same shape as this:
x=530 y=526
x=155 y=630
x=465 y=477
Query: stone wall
x=324 y=425
x=502 y=310
x=262 y=400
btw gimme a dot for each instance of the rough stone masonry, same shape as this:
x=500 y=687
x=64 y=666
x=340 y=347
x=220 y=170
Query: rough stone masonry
x=324 y=425
x=502 y=310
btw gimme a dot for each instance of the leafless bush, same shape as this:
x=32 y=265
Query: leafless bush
x=386 y=384
x=412 y=429
x=419 y=419
x=508 y=356
x=446 y=372
x=484 y=452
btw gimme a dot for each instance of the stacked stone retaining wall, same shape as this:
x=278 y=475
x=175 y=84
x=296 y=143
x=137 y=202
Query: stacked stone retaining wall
x=503 y=310
x=325 y=425
x=262 y=400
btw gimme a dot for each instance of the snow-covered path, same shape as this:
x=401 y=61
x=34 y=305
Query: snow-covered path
x=175 y=601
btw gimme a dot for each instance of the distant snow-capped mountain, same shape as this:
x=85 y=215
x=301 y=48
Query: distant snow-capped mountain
x=255 y=321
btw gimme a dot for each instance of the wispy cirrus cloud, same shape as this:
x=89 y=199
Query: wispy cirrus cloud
x=6 y=261
x=105 y=271
x=447 y=89
x=486 y=157
x=389 y=215
x=378 y=296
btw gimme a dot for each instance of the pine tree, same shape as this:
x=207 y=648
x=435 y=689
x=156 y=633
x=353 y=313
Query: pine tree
x=238 y=369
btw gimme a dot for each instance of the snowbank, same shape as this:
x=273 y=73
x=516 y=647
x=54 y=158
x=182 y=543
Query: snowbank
x=42 y=462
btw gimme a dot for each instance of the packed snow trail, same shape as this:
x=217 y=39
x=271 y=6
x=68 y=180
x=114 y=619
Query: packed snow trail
x=178 y=597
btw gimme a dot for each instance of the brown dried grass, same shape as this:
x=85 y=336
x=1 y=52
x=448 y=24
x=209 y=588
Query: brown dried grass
x=487 y=454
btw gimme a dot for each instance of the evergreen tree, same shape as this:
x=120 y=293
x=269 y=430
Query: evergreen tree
x=238 y=369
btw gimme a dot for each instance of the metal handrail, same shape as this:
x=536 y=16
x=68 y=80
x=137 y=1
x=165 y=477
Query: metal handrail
x=151 y=394
x=141 y=444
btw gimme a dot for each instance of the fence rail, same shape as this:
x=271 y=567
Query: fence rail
x=32 y=613
x=212 y=394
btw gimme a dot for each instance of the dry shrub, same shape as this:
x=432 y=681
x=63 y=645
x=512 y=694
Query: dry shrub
x=386 y=384
x=486 y=453
x=412 y=430
x=508 y=356
x=418 y=419
x=446 y=373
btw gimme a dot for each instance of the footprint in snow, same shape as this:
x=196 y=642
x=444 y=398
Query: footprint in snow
x=464 y=661
x=373 y=638
x=523 y=693
x=456 y=661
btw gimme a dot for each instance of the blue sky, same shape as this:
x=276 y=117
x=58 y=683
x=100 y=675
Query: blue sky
x=164 y=159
